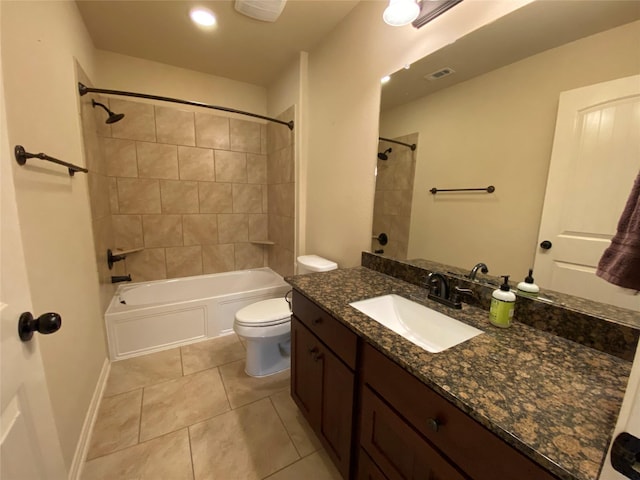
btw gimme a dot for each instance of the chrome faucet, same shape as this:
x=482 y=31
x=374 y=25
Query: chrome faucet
x=439 y=291
x=474 y=271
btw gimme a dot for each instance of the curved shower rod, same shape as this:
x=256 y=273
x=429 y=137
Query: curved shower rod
x=412 y=146
x=83 y=89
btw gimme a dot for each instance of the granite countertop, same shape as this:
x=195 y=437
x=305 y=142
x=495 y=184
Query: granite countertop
x=554 y=400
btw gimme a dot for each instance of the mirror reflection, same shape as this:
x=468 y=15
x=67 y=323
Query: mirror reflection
x=484 y=111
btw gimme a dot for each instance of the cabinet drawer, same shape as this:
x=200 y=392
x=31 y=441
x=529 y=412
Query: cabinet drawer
x=343 y=341
x=396 y=448
x=477 y=451
x=367 y=470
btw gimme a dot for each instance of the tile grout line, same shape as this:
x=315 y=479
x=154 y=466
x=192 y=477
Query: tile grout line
x=193 y=466
x=285 y=427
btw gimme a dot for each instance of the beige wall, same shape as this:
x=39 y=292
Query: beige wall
x=343 y=103
x=121 y=72
x=53 y=208
x=498 y=130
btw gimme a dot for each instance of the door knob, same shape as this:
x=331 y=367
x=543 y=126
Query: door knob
x=546 y=245
x=46 y=323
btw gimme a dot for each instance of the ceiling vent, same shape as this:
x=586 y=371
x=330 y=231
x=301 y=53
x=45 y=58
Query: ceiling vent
x=265 y=10
x=443 y=72
x=430 y=9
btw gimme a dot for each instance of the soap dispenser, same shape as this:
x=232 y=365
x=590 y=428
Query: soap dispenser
x=503 y=301
x=528 y=287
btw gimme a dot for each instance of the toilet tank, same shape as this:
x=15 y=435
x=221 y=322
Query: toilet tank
x=314 y=263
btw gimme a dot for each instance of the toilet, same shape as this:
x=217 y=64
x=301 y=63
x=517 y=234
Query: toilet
x=266 y=326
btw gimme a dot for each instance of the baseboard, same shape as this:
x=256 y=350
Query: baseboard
x=85 y=435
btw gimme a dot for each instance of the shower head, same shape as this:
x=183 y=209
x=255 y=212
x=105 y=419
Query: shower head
x=113 y=117
x=383 y=155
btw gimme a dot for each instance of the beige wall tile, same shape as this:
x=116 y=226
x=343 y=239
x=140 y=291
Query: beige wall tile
x=212 y=131
x=279 y=136
x=256 y=168
x=280 y=167
x=230 y=166
x=263 y=139
x=148 y=264
x=248 y=255
x=233 y=228
x=258 y=227
x=281 y=260
x=138 y=195
x=215 y=197
x=99 y=195
x=281 y=199
x=245 y=136
x=138 y=122
x=113 y=195
x=183 y=261
x=179 y=196
x=218 y=258
x=127 y=231
x=196 y=163
x=247 y=198
x=175 y=126
x=120 y=157
x=162 y=230
x=281 y=231
x=200 y=229
x=157 y=160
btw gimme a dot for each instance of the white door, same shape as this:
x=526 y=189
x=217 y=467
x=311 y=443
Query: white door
x=29 y=445
x=595 y=160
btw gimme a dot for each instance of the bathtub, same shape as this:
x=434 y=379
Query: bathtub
x=152 y=316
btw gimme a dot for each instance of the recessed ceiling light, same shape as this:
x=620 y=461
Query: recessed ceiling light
x=203 y=17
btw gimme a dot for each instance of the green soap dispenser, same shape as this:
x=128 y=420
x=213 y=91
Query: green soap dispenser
x=503 y=301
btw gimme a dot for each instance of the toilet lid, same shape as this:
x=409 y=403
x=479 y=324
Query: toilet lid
x=264 y=313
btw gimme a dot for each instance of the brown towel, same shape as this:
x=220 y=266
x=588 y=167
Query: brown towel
x=620 y=263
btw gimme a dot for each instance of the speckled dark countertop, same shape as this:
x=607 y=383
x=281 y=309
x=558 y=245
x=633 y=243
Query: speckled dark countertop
x=554 y=400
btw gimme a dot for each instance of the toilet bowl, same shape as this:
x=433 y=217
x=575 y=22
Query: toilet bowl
x=266 y=326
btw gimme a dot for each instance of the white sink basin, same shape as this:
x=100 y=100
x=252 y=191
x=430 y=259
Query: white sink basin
x=431 y=330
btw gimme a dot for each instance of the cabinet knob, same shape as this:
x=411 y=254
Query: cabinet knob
x=316 y=321
x=433 y=424
x=315 y=354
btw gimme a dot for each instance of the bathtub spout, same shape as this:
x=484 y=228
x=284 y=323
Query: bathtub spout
x=120 y=278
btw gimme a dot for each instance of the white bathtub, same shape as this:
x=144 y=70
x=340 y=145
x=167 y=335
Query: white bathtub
x=151 y=316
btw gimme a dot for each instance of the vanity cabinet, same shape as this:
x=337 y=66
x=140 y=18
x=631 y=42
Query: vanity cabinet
x=410 y=431
x=323 y=382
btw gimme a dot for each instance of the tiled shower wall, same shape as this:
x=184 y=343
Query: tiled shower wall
x=192 y=191
x=393 y=196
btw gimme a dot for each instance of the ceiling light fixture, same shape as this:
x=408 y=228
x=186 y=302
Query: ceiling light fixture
x=400 y=12
x=264 y=10
x=385 y=79
x=202 y=17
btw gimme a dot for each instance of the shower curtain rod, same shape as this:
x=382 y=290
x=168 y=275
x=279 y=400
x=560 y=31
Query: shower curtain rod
x=83 y=89
x=411 y=146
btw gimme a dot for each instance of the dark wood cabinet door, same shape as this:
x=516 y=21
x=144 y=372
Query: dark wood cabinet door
x=367 y=470
x=398 y=450
x=337 y=410
x=306 y=373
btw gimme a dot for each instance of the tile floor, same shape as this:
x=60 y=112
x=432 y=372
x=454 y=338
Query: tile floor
x=192 y=413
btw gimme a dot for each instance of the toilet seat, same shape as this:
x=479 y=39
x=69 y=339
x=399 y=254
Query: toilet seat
x=266 y=313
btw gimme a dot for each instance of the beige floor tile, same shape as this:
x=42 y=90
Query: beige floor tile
x=243 y=389
x=248 y=443
x=167 y=457
x=133 y=373
x=211 y=353
x=117 y=424
x=299 y=430
x=181 y=402
x=317 y=466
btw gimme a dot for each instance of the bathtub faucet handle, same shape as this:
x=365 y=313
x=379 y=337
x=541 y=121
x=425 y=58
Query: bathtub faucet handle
x=121 y=278
x=111 y=258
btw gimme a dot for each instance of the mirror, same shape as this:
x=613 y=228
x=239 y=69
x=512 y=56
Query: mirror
x=482 y=112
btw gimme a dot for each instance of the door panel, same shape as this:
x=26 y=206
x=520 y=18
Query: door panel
x=595 y=159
